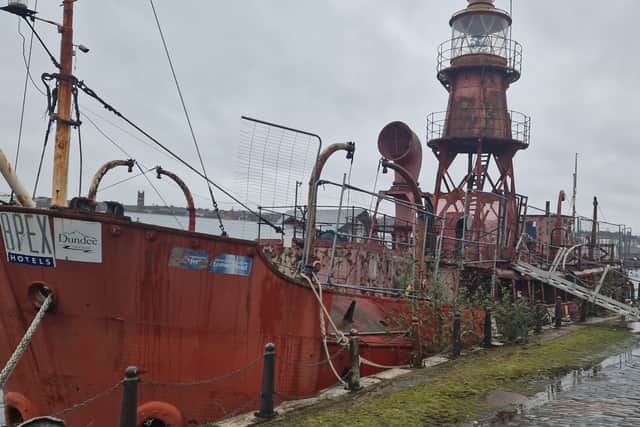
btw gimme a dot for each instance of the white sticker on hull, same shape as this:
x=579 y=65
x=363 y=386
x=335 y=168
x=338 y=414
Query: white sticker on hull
x=77 y=240
x=27 y=239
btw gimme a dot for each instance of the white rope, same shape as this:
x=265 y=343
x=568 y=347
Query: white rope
x=342 y=339
x=24 y=343
x=368 y=362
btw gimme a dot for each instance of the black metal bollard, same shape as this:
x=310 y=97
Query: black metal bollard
x=354 y=350
x=457 y=342
x=584 y=309
x=416 y=361
x=486 y=341
x=129 y=404
x=268 y=382
x=538 y=318
x=558 y=313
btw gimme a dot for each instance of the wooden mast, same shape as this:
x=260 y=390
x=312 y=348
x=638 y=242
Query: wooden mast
x=63 y=116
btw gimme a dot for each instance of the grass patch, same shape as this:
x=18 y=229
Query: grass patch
x=453 y=394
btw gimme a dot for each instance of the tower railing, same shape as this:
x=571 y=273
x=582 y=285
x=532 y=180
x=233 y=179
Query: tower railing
x=478 y=124
x=499 y=46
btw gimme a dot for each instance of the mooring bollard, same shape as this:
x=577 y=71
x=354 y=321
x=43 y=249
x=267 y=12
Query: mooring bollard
x=416 y=360
x=538 y=318
x=486 y=341
x=558 y=313
x=129 y=405
x=457 y=344
x=354 y=350
x=268 y=382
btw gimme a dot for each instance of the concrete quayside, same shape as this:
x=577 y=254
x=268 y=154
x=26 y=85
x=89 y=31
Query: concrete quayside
x=575 y=375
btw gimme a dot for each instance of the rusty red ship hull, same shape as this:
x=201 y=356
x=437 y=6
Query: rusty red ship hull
x=176 y=321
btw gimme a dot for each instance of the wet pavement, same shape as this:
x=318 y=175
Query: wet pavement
x=605 y=395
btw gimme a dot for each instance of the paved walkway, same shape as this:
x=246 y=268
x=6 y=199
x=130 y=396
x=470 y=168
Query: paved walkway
x=607 y=395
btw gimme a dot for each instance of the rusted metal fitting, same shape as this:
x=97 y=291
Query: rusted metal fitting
x=95 y=183
x=187 y=194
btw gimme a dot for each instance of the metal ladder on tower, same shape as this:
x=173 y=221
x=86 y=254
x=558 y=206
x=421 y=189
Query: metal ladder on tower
x=556 y=280
x=477 y=181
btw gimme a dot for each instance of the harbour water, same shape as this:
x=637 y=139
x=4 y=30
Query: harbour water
x=238 y=229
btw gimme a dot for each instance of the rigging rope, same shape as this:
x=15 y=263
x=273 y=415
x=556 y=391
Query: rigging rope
x=342 y=339
x=24 y=342
x=186 y=113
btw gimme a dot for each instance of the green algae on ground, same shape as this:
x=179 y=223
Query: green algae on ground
x=453 y=394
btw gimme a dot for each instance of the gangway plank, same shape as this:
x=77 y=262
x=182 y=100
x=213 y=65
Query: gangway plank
x=558 y=281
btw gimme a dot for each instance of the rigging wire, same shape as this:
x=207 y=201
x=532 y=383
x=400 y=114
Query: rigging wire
x=122 y=181
x=27 y=76
x=81 y=85
x=42 y=43
x=158 y=193
x=44 y=147
x=108 y=107
x=138 y=165
x=78 y=123
x=26 y=58
x=186 y=113
x=124 y=130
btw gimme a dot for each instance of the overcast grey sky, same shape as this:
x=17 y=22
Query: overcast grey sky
x=342 y=69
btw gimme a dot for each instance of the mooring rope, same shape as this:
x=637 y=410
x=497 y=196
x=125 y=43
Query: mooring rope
x=368 y=362
x=24 y=343
x=342 y=339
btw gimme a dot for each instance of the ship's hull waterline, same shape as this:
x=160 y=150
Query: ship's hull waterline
x=182 y=307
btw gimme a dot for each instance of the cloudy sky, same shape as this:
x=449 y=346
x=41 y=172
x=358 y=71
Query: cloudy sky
x=339 y=68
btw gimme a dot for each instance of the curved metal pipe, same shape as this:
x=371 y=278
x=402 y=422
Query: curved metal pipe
x=420 y=226
x=398 y=143
x=16 y=186
x=312 y=196
x=191 y=209
x=95 y=183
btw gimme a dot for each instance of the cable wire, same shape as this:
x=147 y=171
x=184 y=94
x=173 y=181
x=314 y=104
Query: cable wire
x=42 y=43
x=110 y=108
x=27 y=76
x=186 y=113
x=139 y=165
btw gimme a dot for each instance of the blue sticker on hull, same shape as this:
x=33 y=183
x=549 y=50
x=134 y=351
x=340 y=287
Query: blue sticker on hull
x=231 y=264
x=188 y=259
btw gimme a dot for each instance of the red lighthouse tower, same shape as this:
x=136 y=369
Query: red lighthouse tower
x=476 y=139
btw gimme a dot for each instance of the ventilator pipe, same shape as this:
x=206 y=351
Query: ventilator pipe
x=16 y=186
x=95 y=183
x=312 y=197
x=187 y=194
x=420 y=226
x=398 y=143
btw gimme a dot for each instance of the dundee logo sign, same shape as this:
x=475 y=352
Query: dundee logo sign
x=78 y=240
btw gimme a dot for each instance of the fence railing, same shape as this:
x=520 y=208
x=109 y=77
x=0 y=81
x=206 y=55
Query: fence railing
x=499 y=46
x=478 y=123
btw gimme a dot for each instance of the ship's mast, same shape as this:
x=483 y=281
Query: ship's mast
x=63 y=116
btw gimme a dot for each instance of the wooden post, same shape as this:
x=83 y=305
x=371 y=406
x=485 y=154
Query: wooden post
x=63 y=127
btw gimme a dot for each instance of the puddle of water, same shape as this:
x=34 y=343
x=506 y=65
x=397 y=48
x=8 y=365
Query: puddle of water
x=566 y=382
